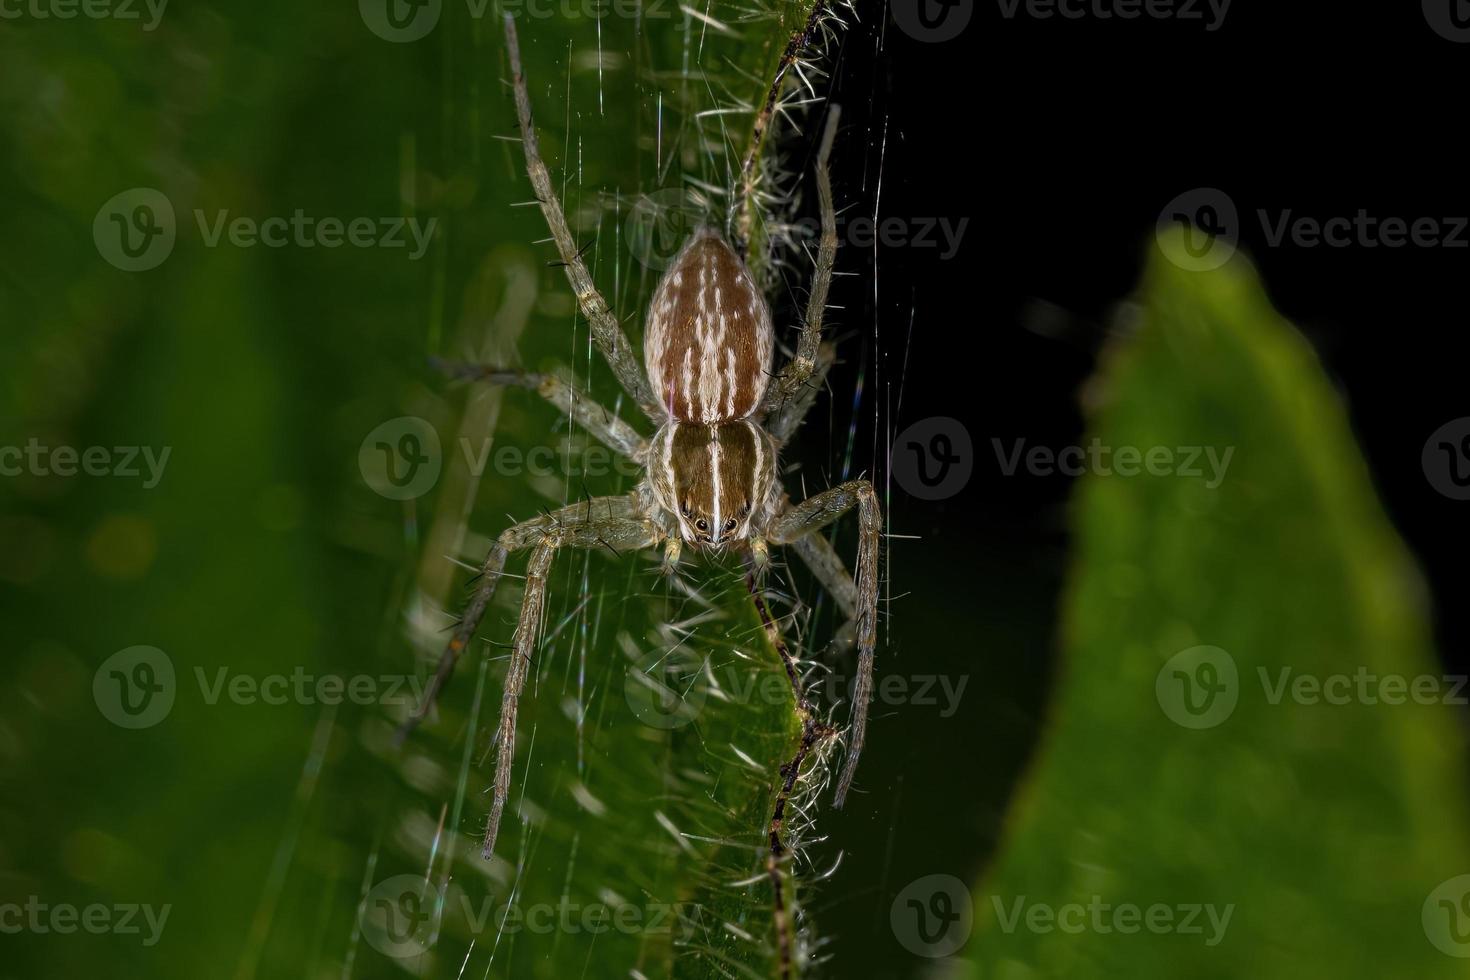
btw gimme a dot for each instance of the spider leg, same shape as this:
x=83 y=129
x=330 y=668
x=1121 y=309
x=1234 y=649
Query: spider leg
x=612 y=515
x=783 y=422
x=618 y=534
x=607 y=333
x=604 y=426
x=819 y=555
x=793 y=377
x=813 y=514
x=614 y=523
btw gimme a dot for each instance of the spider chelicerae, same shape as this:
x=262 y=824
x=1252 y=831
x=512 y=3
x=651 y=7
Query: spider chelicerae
x=710 y=478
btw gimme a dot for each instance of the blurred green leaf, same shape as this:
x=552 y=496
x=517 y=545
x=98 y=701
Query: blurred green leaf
x=1178 y=771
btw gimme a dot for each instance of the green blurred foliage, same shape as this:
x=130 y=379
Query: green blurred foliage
x=1317 y=823
x=262 y=552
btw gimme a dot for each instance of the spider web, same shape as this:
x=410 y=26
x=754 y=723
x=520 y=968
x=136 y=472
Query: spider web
x=617 y=804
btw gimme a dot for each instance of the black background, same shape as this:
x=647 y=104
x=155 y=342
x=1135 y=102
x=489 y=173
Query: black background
x=1062 y=141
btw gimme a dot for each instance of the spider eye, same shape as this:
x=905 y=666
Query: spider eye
x=730 y=525
x=702 y=524
x=684 y=509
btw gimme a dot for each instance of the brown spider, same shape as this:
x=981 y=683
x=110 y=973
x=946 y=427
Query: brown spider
x=710 y=467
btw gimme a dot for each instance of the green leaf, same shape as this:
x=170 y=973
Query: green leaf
x=632 y=846
x=657 y=715
x=1178 y=771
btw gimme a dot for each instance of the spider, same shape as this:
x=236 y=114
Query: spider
x=710 y=477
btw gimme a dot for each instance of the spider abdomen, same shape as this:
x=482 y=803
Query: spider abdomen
x=709 y=338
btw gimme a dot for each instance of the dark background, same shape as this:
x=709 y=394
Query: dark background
x=1062 y=141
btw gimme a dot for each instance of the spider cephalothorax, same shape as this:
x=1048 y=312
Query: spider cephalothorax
x=720 y=416
x=716 y=482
